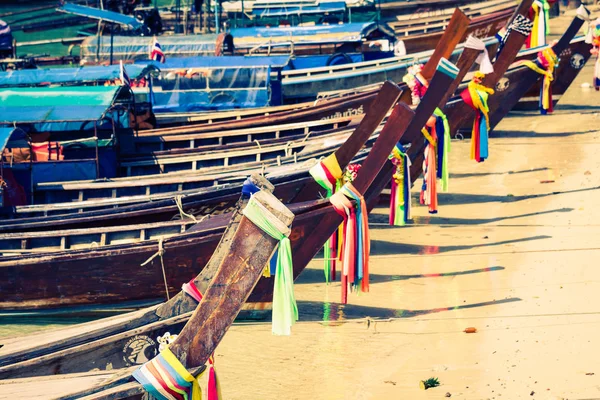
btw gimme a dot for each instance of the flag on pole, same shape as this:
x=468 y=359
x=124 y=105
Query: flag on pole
x=156 y=52
x=124 y=77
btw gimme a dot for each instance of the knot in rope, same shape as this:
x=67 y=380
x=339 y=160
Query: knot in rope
x=160 y=252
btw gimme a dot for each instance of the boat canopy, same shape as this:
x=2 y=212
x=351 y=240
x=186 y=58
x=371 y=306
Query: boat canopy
x=73 y=76
x=212 y=62
x=236 y=5
x=58 y=104
x=131 y=48
x=317 y=34
x=298 y=9
x=104 y=15
x=216 y=83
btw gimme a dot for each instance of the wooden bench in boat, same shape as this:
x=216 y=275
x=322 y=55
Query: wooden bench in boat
x=46 y=193
x=74 y=239
x=157 y=141
x=209 y=161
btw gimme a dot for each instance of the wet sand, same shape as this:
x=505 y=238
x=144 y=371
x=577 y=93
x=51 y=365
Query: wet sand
x=513 y=252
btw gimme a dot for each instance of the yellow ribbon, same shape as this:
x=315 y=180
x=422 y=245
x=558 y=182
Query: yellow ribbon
x=184 y=373
x=428 y=137
x=549 y=56
x=333 y=166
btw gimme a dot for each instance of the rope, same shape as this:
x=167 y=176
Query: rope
x=160 y=253
x=257 y=143
x=180 y=207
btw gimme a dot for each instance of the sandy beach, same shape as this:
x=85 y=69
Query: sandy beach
x=513 y=253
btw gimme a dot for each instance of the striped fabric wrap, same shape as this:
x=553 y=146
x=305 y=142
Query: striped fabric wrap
x=328 y=174
x=400 y=201
x=355 y=248
x=540 y=14
x=285 y=309
x=545 y=64
x=476 y=96
x=447 y=68
x=520 y=24
x=165 y=378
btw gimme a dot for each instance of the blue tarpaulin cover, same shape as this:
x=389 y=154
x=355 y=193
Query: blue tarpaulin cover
x=33 y=77
x=341 y=33
x=299 y=10
x=214 y=83
x=105 y=15
x=128 y=48
x=224 y=62
x=55 y=104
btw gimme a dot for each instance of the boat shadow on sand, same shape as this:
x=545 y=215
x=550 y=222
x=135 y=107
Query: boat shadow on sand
x=383 y=247
x=326 y=311
x=462 y=198
x=312 y=276
x=454 y=175
x=533 y=134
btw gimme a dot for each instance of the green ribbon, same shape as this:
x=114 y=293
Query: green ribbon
x=446 y=151
x=285 y=309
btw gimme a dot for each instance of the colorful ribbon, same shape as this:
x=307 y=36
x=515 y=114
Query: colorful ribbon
x=428 y=195
x=400 y=201
x=443 y=147
x=191 y=289
x=545 y=65
x=476 y=96
x=165 y=378
x=328 y=174
x=249 y=188
x=355 y=247
x=285 y=309
x=214 y=388
x=594 y=31
x=416 y=82
x=540 y=14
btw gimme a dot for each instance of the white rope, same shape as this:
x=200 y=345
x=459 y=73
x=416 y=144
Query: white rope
x=181 y=212
x=160 y=253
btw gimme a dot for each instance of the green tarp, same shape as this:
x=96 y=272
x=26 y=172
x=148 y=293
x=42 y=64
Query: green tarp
x=56 y=104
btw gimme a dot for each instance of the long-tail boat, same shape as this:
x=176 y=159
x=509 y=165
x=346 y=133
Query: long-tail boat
x=239 y=262
x=518 y=81
x=46 y=210
x=502 y=101
x=309 y=232
x=178 y=256
x=451 y=38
